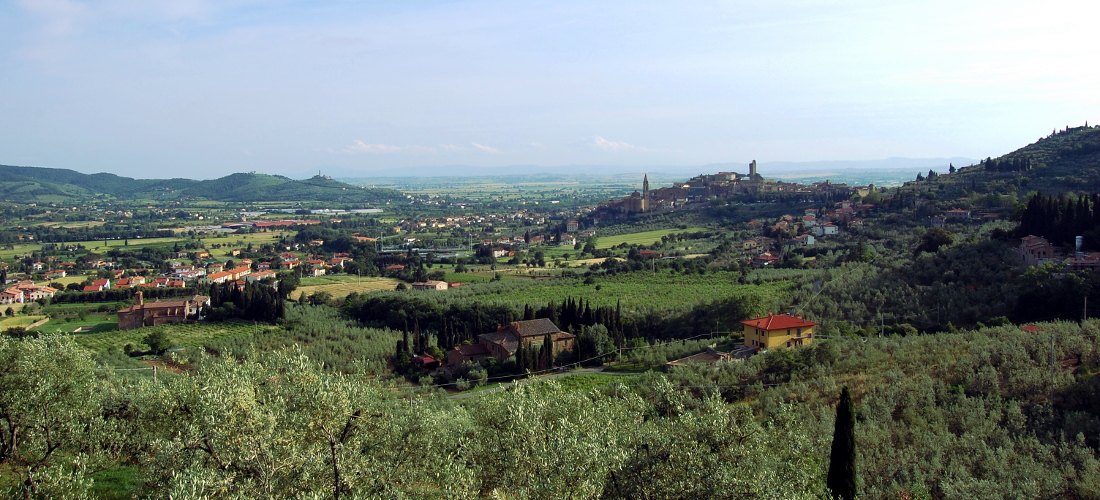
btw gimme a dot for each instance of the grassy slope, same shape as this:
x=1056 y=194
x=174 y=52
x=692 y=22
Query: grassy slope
x=1066 y=161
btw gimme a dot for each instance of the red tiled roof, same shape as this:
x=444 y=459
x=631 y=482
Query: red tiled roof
x=91 y=288
x=778 y=322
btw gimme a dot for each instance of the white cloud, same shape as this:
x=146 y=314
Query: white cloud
x=486 y=149
x=362 y=147
x=451 y=147
x=358 y=147
x=606 y=145
x=538 y=145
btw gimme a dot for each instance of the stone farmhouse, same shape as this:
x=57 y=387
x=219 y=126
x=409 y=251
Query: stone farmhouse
x=504 y=342
x=161 y=312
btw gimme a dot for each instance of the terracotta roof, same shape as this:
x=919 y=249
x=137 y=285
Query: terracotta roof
x=778 y=322
x=92 y=288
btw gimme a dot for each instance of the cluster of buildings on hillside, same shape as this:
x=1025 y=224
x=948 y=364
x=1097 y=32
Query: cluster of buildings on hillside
x=720 y=185
x=804 y=230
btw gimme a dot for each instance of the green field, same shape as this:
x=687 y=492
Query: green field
x=465 y=278
x=330 y=279
x=95 y=323
x=644 y=292
x=101 y=246
x=643 y=238
x=344 y=286
x=191 y=336
x=18 y=321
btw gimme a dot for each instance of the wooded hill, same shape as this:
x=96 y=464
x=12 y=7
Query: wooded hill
x=37 y=184
x=1067 y=160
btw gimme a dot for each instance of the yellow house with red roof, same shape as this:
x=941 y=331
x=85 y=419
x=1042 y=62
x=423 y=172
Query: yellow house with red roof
x=778 y=331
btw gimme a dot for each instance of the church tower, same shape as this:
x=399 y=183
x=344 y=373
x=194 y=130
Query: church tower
x=645 y=192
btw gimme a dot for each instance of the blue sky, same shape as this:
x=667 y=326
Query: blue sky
x=198 y=88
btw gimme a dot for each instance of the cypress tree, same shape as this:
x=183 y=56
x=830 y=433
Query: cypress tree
x=842 y=460
x=548 y=352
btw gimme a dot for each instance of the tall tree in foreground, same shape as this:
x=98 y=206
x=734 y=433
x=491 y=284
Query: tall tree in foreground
x=842 y=460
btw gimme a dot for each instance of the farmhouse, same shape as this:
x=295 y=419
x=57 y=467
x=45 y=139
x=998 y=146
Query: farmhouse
x=778 y=331
x=1036 y=250
x=503 y=343
x=430 y=285
x=11 y=296
x=166 y=312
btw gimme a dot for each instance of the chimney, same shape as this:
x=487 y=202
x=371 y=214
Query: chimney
x=140 y=298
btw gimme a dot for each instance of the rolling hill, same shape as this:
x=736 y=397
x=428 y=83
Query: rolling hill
x=1066 y=161
x=37 y=184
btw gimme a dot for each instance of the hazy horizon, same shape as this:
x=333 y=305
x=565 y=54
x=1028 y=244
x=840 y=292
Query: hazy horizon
x=199 y=89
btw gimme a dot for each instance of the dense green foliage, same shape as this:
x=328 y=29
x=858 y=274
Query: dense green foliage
x=1061 y=219
x=944 y=416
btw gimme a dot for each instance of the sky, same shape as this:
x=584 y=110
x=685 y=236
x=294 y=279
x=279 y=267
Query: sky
x=200 y=89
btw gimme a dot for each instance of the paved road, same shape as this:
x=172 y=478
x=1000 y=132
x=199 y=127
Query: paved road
x=549 y=376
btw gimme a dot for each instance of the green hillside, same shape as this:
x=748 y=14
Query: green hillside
x=36 y=184
x=1065 y=161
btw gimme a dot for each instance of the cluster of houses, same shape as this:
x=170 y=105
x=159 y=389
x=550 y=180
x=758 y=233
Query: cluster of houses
x=959 y=215
x=26 y=291
x=808 y=228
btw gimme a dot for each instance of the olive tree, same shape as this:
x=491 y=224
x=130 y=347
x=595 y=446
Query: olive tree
x=49 y=406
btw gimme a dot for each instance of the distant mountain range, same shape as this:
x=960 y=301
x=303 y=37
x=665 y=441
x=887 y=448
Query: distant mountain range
x=37 y=184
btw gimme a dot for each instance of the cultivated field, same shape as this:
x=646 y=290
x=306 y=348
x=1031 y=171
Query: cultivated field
x=344 y=286
x=18 y=321
x=638 y=292
x=643 y=238
x=188 y=336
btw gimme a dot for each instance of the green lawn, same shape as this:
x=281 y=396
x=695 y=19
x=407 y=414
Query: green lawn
x=643 y=238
